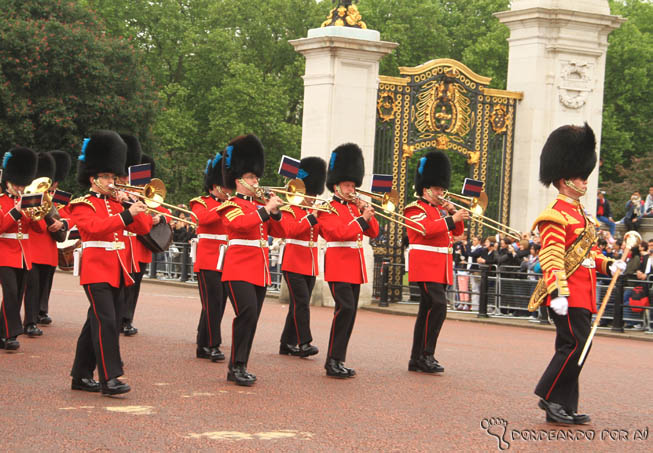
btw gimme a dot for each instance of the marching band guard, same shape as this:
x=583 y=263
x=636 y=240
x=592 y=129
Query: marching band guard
x=44 y=257
x=344 y=263
x=570 y=259
x=19 y=168
x=430 y=259
x=299 y=261
x=211 y=244
x=246 y=270
x=62 y=168
x=101 y=218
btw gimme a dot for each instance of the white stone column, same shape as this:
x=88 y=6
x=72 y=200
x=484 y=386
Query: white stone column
x=557 y=59
x=340 y=86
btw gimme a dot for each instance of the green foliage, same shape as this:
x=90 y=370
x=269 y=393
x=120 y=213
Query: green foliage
x=62 y=77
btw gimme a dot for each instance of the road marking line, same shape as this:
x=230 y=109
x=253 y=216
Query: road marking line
x=131 y=410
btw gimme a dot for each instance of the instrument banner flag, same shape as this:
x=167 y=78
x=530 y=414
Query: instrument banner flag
x=381 y=183
x=140 y=175
x=31 y=201
x=62 y=198
x=472 y=187
x=289 y=167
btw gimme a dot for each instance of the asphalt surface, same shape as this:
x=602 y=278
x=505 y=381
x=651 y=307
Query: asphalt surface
x=180 y=403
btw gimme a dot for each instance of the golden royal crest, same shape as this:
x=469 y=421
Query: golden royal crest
x=386 y=106
x=443 y=108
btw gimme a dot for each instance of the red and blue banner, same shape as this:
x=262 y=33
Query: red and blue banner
x=289 y=167
x=31 y=201
x=381 y=183
x=140 y=175
x=61 y=198
x=472 y=187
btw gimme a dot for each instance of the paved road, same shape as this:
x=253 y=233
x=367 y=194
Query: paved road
x=179 y=403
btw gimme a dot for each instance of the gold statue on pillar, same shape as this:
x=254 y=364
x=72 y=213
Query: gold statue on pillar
x=345 y=14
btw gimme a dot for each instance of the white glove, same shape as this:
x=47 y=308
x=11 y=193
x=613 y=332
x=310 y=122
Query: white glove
x=560 y=305
x=617 y=265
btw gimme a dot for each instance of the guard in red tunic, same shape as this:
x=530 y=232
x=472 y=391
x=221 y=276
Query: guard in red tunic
x=19 y=168
x=246 y=268
x=209 y=256
x=46 y=272
x=299 y=261
x=570 y=259
x=101 y=219
x=430 y=255
x=344 y=263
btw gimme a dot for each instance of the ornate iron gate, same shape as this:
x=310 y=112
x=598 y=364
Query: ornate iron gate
x=442 y=105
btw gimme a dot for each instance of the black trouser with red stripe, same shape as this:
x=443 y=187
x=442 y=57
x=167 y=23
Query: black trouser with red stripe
x=345 y=295
x=37 y=293
x=247 y=301
x=13 y=282
x=297 y=329
x=214 y=300
x=131 y=296
x=97 y=344
x=430 y=317
x=559 y=383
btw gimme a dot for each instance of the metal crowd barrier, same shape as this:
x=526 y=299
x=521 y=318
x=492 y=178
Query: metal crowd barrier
x=175 y=264
x=506 y=290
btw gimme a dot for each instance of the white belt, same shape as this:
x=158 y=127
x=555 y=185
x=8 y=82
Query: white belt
x=348 y=244
x=215 y=237
x=14 y=236
x=301 y=243
x=128 y=233
x=103 y=245
x=249 y=242
x=589 y=263
x=429 y=248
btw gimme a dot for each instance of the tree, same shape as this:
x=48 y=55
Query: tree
x=62 y=77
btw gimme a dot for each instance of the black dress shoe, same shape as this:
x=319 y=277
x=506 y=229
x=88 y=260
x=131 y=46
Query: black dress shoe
x=129 y=330
x=240 y=376
x=10 y=344
x=433 y=363
x=350 y=371
x=422 y=366
x=32 y=331
x=85 y=384
x=44 y=319
x=555 y=413
x=335 y=369
x=307 y=350
x=203 y=352
x=580 y=419
x=114 y=387
x=288 y=349
x=216 y=355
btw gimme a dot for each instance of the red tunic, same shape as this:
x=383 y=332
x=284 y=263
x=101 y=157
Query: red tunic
x=99 y=219
x=246 y=221
x=300 y=251
x=559 y=226
x=15 y=252
x=211 y=232
x=44 y=247
x=430 y=256
x=343 y=230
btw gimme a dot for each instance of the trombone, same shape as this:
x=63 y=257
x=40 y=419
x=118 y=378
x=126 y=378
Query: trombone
x=294 y=192
x=153 y=195
x=476 y=207
x=389 y=202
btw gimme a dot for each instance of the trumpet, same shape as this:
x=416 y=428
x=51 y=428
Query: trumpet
x=476 y=207
x=153 y=194
x=389 y=202
x=294 y=192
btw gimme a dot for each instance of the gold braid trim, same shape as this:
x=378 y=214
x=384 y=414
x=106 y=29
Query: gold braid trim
x=287 y=208
x=82 y=200
x=200 y=201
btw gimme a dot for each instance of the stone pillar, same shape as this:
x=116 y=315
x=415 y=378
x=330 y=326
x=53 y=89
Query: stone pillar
x=557 y=59
x=340 y=86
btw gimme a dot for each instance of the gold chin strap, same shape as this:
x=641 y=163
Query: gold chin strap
x=569 y=183
x=12 y=190
x=255 y=190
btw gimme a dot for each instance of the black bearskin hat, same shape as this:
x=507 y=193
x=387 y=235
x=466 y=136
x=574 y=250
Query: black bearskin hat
x=63 y=164
x=46 y=166
x=433 y=169
x=346 y=164
x=134 y=152
x=213 y=173
x=19 y=166
x=568 y=153
x=312 y=170
x=244 y=154
x=145 y=159
x=104 y=152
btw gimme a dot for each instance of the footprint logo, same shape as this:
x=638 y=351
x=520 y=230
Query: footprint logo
x=497 y=427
